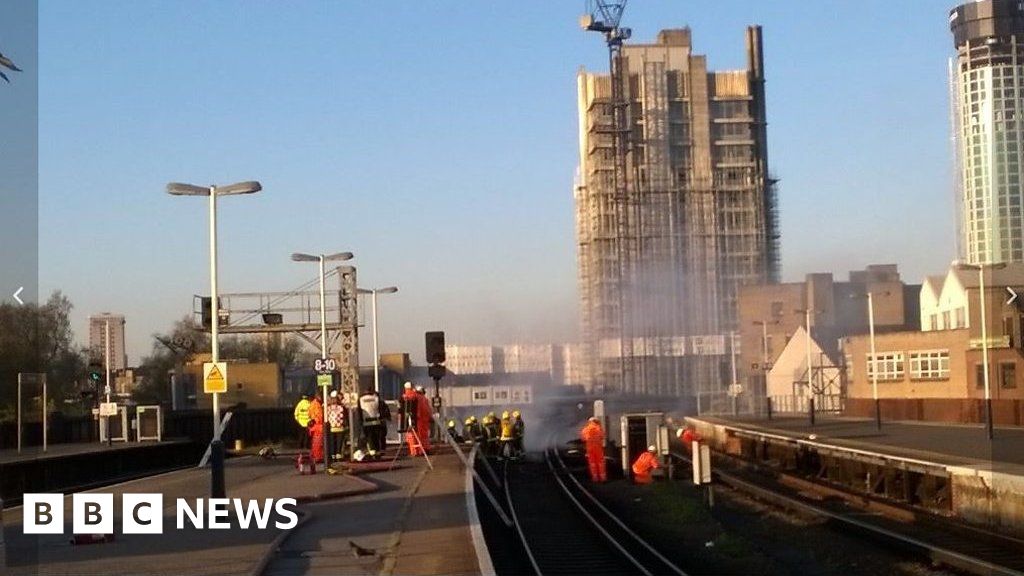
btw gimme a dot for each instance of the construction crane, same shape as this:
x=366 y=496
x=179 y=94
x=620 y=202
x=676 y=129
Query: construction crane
x=605 y=16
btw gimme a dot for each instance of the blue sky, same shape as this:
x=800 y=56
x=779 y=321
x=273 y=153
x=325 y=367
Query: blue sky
x=437 y=141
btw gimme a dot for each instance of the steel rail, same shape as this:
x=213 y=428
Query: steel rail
x=936 y=552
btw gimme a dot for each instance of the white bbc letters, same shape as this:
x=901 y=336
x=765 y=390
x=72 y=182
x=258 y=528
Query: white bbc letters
x=142 y=514
x=92 y=513
x=43 y=514
x=184 y=510
x=218 y=509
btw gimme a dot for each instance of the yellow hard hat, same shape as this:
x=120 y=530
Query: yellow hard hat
x=490 y=414
x=472 y=418
x=451 y=423
x=504 y=415
x=469 y=420
x=516 y=414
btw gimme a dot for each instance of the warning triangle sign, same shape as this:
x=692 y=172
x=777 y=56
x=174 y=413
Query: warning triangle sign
x=215 y=378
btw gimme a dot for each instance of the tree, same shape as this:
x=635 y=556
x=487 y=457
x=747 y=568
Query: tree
x=173 y=350
x=36 y=338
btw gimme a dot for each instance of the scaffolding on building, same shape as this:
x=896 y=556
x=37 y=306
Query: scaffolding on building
x=674 y=211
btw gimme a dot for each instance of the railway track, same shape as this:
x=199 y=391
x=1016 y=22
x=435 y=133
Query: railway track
x=969 y=549
x=563 y=529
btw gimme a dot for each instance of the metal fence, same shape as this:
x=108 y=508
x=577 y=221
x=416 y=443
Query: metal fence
x=824 y=403
x=253 y=425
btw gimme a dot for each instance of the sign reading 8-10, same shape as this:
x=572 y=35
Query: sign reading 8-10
x=325 y=365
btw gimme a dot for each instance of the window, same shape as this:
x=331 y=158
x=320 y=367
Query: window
x=776 y=309
x=961 y=317
x=1007 y=375
x=889 y=364
x=480 y=395
x=934 y=321
x=979 y=376
x=501 y=395
x=929 y=364
x=946 y=324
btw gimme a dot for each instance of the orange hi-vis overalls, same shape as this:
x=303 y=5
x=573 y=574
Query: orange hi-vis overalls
x=593 y=438
x=424 y=415
x=412 y=400
x=316 y=431
x=643 y=466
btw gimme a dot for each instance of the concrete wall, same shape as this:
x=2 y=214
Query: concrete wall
x=1005 y=412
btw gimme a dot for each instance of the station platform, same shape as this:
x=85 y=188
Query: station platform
x=407 y=520
x=941 y=443
x=80 y=466
x=949 y=469
x=31 y=453
x=417 y=523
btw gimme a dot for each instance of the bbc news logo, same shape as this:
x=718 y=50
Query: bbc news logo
x=144 y=513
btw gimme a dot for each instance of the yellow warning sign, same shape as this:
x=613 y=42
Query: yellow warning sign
x=215 y=377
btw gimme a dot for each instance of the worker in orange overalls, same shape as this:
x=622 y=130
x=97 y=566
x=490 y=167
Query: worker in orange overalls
x=316 y=429
x=424 y=416
x=410 y=414
x=593 y=438
x=644 y=464
x=688 y=435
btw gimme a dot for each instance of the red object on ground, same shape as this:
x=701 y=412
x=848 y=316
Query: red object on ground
x=423 y=418
x=593 y=437
x=643 y=466
x=305 y=464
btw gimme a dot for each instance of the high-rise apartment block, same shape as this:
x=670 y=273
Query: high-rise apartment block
x=987 y=89
x=667 y=234
x=98 y=339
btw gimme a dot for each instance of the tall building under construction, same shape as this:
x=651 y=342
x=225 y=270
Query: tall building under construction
x=675 y=209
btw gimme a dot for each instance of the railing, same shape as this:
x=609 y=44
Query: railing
x=789 y=404
x=251 y=425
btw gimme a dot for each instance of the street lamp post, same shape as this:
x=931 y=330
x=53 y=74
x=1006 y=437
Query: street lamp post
x=984 y=336
x=212 y=191
x=764 y=356
x=732 y=354
x=873 y=363
x=807 y=312
x=376 y=354
x=106 y=368
x=321 y=258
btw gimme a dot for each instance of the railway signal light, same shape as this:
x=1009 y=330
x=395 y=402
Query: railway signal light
x=435 y=347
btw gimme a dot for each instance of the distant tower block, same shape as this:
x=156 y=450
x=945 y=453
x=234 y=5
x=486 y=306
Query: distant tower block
x=97 y=339
x=986 y=88
x=699 y=210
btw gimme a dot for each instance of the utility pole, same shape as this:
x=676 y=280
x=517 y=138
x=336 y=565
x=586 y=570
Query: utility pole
x=106 y=365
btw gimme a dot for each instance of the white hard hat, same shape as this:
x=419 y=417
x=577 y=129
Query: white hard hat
x=652 y=448
x=408 y=385
x=679 y=432
x=334 y=393
x=421 y=389
x=358 y=456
